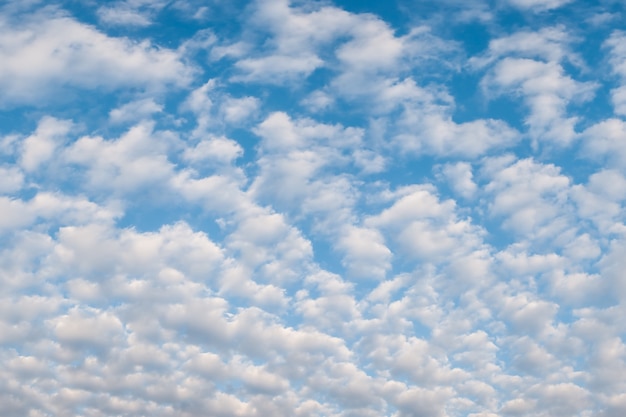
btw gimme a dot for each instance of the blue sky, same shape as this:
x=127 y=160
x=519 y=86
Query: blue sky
x=311 y=208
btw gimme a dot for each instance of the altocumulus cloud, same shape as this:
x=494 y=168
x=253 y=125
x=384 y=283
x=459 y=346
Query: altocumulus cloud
x=312 y=208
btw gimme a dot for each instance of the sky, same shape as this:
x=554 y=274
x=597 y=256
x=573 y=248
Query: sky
x=402 y=208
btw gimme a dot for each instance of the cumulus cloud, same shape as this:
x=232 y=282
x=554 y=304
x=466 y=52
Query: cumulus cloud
x=530 y=65
x=617 y=56
x=135 y=111
x=530 y=206
x=134 y=160
x=538 y=6
x=136 y=13
x=461 y=178
x=50 y=51
x=311 y=209
x=602 y=141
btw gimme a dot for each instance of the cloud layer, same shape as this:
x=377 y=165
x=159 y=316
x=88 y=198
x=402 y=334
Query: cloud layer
x=294 y=208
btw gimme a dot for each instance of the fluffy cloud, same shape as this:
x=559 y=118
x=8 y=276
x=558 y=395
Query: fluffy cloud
x=50 y=51
x=40 y=147
x=136 y=159
x=538 y=6
x=603 y=140
x=311 y=209
x=532 y=202
x=617 y=59
x=528 y=64
x=130 y=12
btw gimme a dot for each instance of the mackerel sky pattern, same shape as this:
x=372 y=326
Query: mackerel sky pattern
x=402 y=208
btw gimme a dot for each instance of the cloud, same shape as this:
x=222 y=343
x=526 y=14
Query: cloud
x=460 y=176
x=600 y=200
x=429 y=129
x=41 y=146
x=135 y=111
x=602 y=141
x=361 y=44
x=551 y=44
x=309 y=209
x=295 y=38
x=136 y=159
x=366 y=253
x=122 y=16
x=532 y=197
x=52 y=208
x=617 y=60
x=528 y=64
x=137 y=13
x=538 y=6
x=428 y=231
x=11 y=179
x=547 y=92
x=298 y=163
x=217 y=149
x=214 y=110
x=50 y=51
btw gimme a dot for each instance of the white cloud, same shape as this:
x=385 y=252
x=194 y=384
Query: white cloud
x=50 y=51
x=533 y=198
x=601 y=200
x=365 y=253
x=122 y=16
x=294 y=157
x=40 y=147
x=265 y=239
x=138 y=13
x=529 y=65
x=438 y=134
x=617 y=60
x=526 y=315
x=53 y=209
x=86 y=329
x=550 y=44
x=216 y=149
x=424 y=124
x=295 y=38
x=11 y=179
x=135 y=111
x=334 y=309
x=278 y=69
x=608 y=183
x=318 y=101
x=602 y=18
x=214 y=110
x=298 y=36
x=134 y=160
x=373 y=47
x=428 y=230
x=611 y=264
x=460 y=176
x=538 y=5
x=547 y=91
x=578 y=288
x=236 y=110
x=340 y=245
x=603 y=141
x=219 y=193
